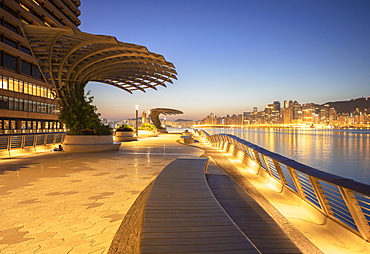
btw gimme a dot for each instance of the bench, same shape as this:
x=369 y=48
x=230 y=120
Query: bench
x=181 y=214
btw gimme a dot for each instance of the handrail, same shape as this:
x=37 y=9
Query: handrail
x=344 y=200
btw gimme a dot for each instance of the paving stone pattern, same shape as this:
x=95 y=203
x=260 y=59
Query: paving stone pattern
x=58 y=202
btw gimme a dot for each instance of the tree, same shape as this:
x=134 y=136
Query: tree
x=77 y=111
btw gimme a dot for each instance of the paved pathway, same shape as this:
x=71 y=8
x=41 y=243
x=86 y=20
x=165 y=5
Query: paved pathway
x=255 y=223
x=60 y=202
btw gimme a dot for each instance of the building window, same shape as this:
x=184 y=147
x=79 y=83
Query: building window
x=26 y=68
x=25 y=7
x=13 y=125
x=34 y=90
x=10 y=26
x=11 y=84
x=26 y=105
x=25 y=50
x=10 y=42
x=36 y=2
x=20 y=105
x=25 y=21
x=4 y=104
x=15 y=103
x=10 y=62
x=6 y=124
x=11 y=103
x=36 y=72
x=15 y=85
x=20 y=86
x=10 y=10
x=5 y=82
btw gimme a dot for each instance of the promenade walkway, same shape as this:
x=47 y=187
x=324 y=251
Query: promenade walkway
x=58 y=202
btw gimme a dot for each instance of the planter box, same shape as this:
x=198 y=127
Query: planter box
x=186 y=139
x=122 y=136
x=89 y=143
x=144 y=133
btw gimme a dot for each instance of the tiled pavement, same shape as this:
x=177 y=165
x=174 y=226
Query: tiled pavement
x=60 y=202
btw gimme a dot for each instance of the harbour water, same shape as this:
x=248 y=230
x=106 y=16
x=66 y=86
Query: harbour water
x=344 y=152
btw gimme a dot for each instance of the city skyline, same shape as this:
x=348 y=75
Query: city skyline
x=352 y=112
x=234 y=55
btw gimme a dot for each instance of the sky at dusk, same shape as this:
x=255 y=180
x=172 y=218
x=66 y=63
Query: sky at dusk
x=233 y=55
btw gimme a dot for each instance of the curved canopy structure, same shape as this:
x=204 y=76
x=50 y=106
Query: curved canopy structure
x=155 y=112
x=66 y=56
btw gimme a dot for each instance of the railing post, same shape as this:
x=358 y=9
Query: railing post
x=266 y=162
x=34 y=141
x=256 y=158
x=297 y=184
x=280 y=172
x=320 y=196
x=45 y=139
x=23 y=141
x=356 y=212
x=8 y=145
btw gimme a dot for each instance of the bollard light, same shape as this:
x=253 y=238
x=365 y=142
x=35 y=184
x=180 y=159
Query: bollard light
x=137 y=120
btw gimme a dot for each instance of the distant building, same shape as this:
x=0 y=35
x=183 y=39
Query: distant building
x=294 y=113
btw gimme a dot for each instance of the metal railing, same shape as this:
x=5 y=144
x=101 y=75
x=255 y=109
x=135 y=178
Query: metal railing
x=343 y=200
x=23 y=131
x=12 y=142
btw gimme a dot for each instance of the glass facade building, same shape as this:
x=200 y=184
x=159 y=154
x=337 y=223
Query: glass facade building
x=27 y=102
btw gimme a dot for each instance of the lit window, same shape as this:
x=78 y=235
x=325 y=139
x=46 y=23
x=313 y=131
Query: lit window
x=16 y=85
x=36 y=2
x=24 y=7
x=11 y=84
x=5 y=83
x=21 y=86
x=25 y=21
x=26 y=88
x=34 y=90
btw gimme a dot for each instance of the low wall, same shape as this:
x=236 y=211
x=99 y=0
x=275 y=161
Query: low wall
x=89 y=143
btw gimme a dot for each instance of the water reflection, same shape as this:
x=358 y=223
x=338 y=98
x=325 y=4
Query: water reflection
x=341 y=152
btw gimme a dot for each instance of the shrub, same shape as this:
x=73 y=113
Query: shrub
x=147 y=127
x=125 y=127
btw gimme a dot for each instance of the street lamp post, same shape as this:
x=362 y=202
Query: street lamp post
x=137 y=120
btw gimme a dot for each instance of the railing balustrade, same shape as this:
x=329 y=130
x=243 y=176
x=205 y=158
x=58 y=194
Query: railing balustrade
x=11 y=142
x=23 y=131
x=343 y=200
